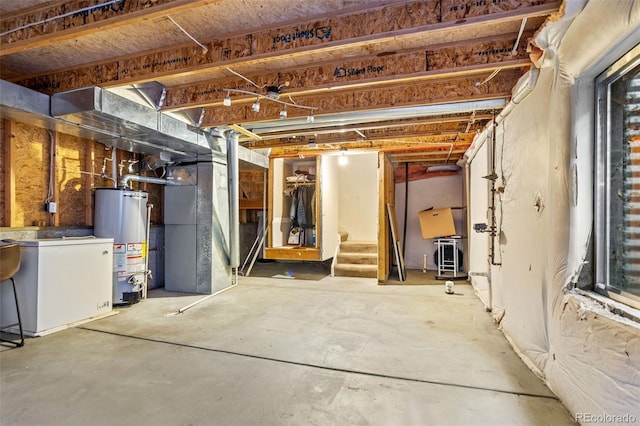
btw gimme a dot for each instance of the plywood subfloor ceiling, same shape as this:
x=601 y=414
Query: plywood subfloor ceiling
x=417 y=79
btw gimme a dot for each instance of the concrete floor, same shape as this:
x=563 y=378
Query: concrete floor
x=339 y=351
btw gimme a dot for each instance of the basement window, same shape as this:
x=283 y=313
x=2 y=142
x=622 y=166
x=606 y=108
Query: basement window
x=617 y=192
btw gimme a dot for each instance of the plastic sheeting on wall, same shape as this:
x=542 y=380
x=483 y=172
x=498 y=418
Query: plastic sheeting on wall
x=591 y=360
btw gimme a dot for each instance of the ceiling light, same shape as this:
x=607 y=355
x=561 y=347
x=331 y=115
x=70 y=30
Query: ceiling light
x=283 y=113
x=256 y=105
x=310 y=118
x=342 y=159
x=227 y=100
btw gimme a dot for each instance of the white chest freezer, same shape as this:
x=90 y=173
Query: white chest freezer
x=60 y=282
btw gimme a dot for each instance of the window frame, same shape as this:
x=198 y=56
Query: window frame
x=602 y=194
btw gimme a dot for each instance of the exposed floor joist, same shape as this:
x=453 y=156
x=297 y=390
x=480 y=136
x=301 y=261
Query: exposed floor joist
x=353 y=63
x=55 y=22
x=384 y=24
x=427 y=92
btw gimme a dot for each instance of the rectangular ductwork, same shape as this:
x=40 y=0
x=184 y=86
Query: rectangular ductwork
x=115 y=121
x=135 y=127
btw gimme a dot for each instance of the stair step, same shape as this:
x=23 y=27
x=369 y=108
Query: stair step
x=349 y=270
x=358 y=247
x=343 y=236
x=358 y=258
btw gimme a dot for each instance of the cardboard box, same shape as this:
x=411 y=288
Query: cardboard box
x=437 y=223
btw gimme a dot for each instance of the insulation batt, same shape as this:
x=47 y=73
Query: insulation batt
x=588 y=356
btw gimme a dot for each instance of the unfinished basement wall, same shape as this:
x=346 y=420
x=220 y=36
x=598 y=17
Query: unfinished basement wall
x=25 y=172
x=588 y=355
x=430 y=192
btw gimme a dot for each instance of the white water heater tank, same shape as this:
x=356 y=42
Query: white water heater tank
x=121 y=214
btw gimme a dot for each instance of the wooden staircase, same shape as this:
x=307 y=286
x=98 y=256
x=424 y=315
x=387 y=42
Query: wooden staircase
x=357 y=259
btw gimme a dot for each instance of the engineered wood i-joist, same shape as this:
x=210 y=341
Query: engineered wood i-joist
x=54 y=22
x=397 y=68
x=434 y=143
x=428 y=92
x=446 y=129
x=383 y=24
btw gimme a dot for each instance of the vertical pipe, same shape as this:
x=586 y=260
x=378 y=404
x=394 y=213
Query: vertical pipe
x=233 y=176
x=147 y=272
x=264 y=207
x=467 y=205
x=406 y=204
x=492 y=197
x=114 y=167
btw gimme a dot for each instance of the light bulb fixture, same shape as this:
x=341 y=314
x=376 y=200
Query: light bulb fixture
x=227 y=100
x=256 y=105
x=342 y=159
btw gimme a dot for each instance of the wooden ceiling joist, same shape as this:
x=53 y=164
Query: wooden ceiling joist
x=63 y=20
x=419 y=131
x=405 y=67
x=382 y=24
x=427 y=92
x=430 y=143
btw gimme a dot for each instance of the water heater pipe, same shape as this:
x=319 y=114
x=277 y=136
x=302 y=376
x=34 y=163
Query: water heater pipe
x=114 y=167
x=124 y=180
x=147 y=271
x=233 y=176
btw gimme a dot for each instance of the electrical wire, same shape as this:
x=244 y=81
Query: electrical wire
x=52 y=161
x=515 y=46
x=245 y=78
x=204 y=48
x=64 y=15
x=493 y=74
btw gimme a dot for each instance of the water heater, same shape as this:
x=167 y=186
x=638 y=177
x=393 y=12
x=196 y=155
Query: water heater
x=121 y=214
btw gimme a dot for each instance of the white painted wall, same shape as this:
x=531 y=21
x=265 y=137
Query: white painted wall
x=436 y=192
x=358 y=197
x=329 y=205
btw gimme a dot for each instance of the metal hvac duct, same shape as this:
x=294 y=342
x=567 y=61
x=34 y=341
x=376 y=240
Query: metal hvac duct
x=142 y=128
x=99 y=115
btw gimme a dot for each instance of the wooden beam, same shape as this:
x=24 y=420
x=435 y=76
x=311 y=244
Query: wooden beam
x=9 y=173
x=386 y=24
x=64 y=20
x=405 y=67
x=409 y=132
x=430 y=92
x=434 y=143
